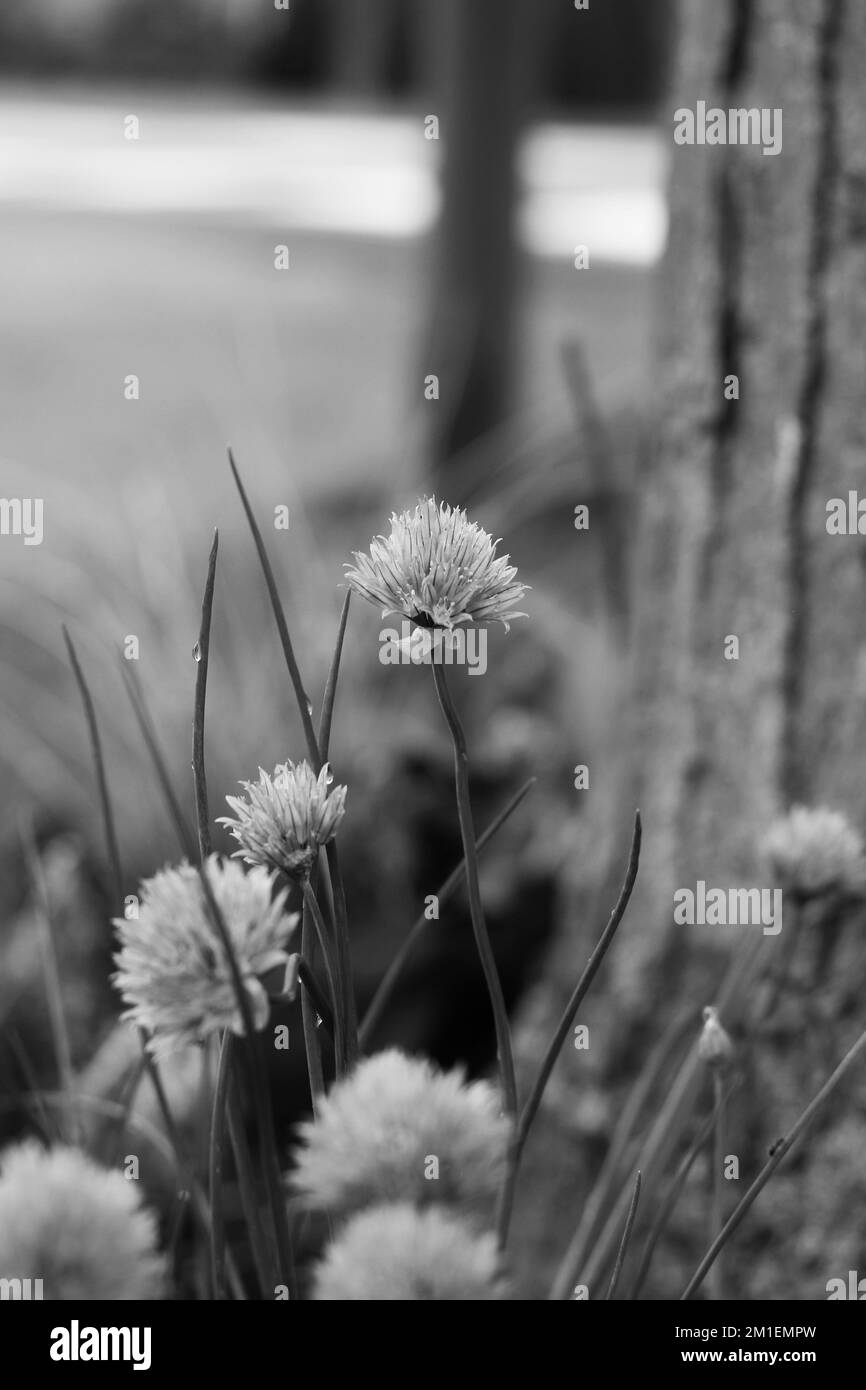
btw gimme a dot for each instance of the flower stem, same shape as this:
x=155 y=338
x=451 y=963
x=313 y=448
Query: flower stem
x=247 y=1189
x=715 y=1281
x=779 y=1152
x=308 y=1018
x=479 y=926
x=215 y=1168
x=626 y=1236
x=530 y=1109
x=311 y=902
x=202 y=653
x=671 y=1197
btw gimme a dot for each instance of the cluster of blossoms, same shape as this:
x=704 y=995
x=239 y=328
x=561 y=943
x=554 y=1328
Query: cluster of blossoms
x=286 y=818
x=413 y=1158
x=438 y=569
x=172 y=969
x=408 y=1159
x=397 y=1252
x=812 y=852
x=78 y=1227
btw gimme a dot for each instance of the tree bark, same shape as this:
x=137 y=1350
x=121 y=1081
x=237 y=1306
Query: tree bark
x=485 y=48
x=763 y=279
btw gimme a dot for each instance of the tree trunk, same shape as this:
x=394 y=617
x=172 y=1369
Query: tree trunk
x=485 y=52
x=763 y=280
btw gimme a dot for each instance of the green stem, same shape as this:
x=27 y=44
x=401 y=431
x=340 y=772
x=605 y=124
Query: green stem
x=344 y=956
x=476 y=910
x=249 y=1197
x=626 y=1236
x=311 y=1035
x=311 y=902
x=564 y=1027
x=716 y=1281
x=780 y=1150
x=215 y=1167
x=670 y=1200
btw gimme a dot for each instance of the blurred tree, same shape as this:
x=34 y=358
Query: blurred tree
x=485 y=69
x=763 y=281
x=361 y=43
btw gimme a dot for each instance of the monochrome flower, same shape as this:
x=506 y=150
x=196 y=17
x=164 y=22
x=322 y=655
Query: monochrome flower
x=171 y=967
x=399 y=1253
x=283 y=820
x=815 y=851
x=439 y=569
x=398 y=1129
x=715 y=1048
x=78 y=1227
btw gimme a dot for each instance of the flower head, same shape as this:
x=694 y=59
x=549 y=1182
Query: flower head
x=398 y=1253
x=815 y=851
x=77 y=1227
x=439 y=569
x=398 y=1129
x=171 y=966
x=715 y=1048
x=283 y=820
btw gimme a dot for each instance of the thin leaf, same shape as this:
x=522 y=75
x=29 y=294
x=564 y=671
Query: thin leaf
x=531 y=1107
x=51 y=977
x=282 y=625
x=331 y=684
x=626 y=1235
x=780 y=1150
x=111 y=843
x=202 y=652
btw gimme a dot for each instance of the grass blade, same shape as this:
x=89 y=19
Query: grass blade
x=51 y=977
x=331 y=683
x=145 y=725
x=530 y=1109
x=670 y=1199
x=202 y=652
x=780 y=1150
x=282 y=625
x=626 y=1235
x=111 y=844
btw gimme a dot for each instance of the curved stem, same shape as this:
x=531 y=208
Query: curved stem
x=479 y=926
x=549 y=1060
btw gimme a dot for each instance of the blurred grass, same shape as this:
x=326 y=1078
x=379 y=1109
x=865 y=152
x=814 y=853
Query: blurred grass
x=311 y=376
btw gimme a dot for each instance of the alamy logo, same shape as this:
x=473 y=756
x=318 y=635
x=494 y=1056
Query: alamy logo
x=22 y=516
x=729 y=907
x=738 y=126
x=439 y=646
x=855 y=1288
x=846 y=516
x=23 y=1289
x=75 y=1343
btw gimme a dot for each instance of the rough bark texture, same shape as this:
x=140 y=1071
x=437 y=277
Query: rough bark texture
x=764 y=278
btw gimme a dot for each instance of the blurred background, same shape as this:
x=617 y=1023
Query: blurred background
x=433 y=171
x=474 y=202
